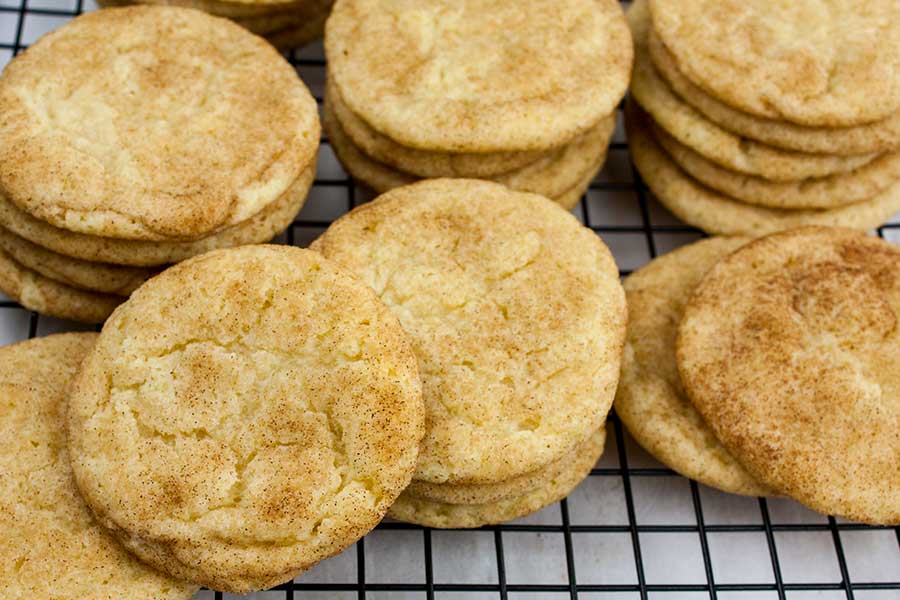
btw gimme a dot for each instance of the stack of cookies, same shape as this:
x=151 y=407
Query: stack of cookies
x=285 y=23
x=517 y=317
x=132 y=138
x=751 y=118
x=772 y=367
x=522 y=93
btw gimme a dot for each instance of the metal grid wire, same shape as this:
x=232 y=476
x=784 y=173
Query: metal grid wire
x=633 y=529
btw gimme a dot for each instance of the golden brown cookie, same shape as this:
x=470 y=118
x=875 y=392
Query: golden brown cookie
x=831 y=191
x=827 y=64
x=246 y=414
x=448 y=516
x=259 y=229
x=559 y=176
x=50 y=546
x=49 y=297
x=419 y=73
x=151 y=123
x=727 y=149
x=91 y=276
x=719 y=214
x=790 y=349
x=515 y=311
x=879 y=136
x=650 y=399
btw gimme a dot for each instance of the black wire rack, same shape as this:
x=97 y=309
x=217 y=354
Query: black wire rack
x=633 y=529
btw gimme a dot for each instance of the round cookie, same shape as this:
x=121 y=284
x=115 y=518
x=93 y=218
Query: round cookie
x=557 y=176
x=718 y=214
x=417 y=73
x=51 y=547
x=91 y=276
x=831 y=64
x=151 y=123
x=650 y=399
x=832 y=191
x=491 y=493
x=246 y=414
x=424 y=163
x=880 y=136
x=692 y=129
x=136 y=253
x=449 y=516
x=49 y=297
x=790 y=349
x=515 y=311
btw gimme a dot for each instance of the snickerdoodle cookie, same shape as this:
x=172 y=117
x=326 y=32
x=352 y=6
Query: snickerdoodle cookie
x=790 y=349
x=152 y=123
x=515 y=311
x=50 y=544
x=246 y=414
x=650 y=400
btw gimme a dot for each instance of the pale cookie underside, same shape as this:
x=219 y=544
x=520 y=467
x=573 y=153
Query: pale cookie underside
x=650 y=400
x=441 y=515
x=49 y=297
x=727 y=149
x=719 y=214
x=831 y=191
x=424 y=163
x=152 y=123
x=91 y=276
x=559 y=176
x=244 y=415
x=417 y=72
x=830 y=64
x=880 y=136
x=790 y=349
x=515 y=311
x=259 y=229
x=50 y=545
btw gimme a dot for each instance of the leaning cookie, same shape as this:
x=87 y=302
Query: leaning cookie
x=790 y=349
x=515 y=312
x=554 y=487
x=650 y=400
x=244 y=415
x=50 y=544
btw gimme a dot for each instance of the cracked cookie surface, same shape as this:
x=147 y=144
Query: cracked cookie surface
x=246 y=414
x=515 y=311
x=790 y=349
x=50 y=544
x=151 y=123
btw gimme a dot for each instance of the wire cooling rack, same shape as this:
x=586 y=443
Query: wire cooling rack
x=633 y=529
